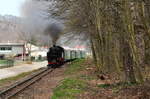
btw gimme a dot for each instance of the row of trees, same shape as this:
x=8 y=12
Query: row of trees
x=118 y=31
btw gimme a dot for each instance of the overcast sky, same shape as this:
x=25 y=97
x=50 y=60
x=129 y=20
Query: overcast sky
x=10 y=7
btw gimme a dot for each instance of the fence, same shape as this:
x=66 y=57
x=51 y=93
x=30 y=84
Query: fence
x=6 y=63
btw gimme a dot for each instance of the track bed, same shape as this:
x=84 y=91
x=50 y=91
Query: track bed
x=44 y=87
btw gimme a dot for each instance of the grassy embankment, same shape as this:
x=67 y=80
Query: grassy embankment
x=82 y=82
x=72 y=86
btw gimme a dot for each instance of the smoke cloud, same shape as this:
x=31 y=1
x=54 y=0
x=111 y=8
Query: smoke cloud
x=54 y=30
x=38 y=23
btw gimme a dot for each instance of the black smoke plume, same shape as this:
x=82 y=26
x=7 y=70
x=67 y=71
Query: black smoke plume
x=54 y=30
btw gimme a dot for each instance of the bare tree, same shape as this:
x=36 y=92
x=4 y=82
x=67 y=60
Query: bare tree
x=116 y=30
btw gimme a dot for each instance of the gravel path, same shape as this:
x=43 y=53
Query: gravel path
x=16 y=70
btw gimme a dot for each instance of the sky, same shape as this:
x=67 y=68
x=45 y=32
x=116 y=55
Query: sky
x=10 y=7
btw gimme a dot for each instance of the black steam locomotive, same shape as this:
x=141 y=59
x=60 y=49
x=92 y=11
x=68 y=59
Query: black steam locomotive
x=55 y=56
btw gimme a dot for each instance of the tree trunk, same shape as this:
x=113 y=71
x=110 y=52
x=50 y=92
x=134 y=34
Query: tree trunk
x=128 y=62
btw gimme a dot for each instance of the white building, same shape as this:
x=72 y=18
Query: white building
x=12 y=49
x=36 y=51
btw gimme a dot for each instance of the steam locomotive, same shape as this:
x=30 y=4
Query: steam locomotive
x=57 y=56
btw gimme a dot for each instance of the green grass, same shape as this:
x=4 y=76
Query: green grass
x=15 y=78
x=75 y=66
x=69 y=89
x=3 y=61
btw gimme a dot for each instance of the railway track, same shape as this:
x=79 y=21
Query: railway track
x=20 y=86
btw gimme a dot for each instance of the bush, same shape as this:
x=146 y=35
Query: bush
x=32 y=58
x=39 y=57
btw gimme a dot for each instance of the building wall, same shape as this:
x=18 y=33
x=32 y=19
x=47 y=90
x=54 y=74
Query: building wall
x=14 y=50
x=17 y=49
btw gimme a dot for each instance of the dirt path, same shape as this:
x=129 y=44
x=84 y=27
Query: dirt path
x=43 y=89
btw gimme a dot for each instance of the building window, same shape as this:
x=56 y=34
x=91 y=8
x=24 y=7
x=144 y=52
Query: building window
x=2 y=48
x=9 y=48
x=5 y=48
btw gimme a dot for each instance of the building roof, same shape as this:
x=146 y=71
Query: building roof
x=12 y=44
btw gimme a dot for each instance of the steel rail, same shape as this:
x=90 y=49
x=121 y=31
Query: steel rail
x=4 y=94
